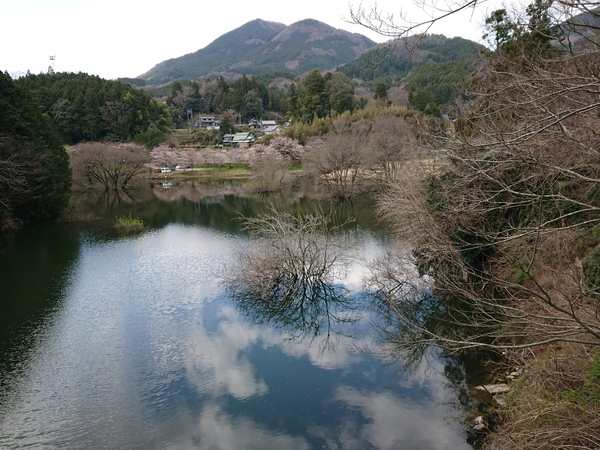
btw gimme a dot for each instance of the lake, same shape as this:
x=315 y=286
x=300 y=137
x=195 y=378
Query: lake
x=132 y=342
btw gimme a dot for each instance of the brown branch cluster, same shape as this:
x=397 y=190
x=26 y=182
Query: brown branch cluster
x=287 y=275
x=110 y=166
x=504 y=226
x=23 y=177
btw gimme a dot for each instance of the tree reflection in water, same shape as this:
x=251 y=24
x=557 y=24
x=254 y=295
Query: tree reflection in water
x=412 y=318
x=287 y=275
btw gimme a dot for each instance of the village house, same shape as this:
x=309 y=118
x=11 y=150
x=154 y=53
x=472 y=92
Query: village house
x=242 y=140
x=208 y=122
x=239 y=140
x=266 y=126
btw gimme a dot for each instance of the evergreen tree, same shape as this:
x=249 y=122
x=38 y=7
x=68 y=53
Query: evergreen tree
x=226 y=127
x=252 y=106
x=85 y=107
x=35 y=177
x=381 y=92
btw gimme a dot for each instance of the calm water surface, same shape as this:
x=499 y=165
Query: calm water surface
x=131 y=343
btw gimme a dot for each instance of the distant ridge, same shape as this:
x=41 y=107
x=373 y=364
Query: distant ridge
x=394 y=60
x=259 y=48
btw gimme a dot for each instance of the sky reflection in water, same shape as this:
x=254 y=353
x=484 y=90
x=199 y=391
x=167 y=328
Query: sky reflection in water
x=145 y=351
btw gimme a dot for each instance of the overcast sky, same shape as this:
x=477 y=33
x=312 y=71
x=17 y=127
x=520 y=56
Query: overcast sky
x=125 y=38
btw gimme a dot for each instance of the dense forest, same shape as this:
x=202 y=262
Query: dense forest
x=83 y=107
x=433 y=69
x=35 y=178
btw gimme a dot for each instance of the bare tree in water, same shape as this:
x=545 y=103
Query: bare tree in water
x=287 y=276
x=111 y=166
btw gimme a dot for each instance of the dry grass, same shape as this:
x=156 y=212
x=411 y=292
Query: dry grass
x=556 y=405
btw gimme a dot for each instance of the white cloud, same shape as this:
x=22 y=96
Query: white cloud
x=390 y=422
x=221 y=431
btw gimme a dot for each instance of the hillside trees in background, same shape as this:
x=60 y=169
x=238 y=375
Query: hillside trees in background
x=35 y=178
x=434 y=68
x=340 y=91
x=381 y=94
x=88 y=108
x=310 y=98
x=249 y=97
x=434 y=87
x=317 y=96
x=252 y=106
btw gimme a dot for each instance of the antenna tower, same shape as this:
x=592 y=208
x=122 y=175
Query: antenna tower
x=51 y=67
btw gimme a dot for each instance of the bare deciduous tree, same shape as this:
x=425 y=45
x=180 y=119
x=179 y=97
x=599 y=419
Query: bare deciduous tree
x=112 y=166
x=22 y=175
x=287 y=275
x=507 y=228
x=268 y=173
x=500 y=226
x=270 y=161
x=392 y=143
x=338 y=161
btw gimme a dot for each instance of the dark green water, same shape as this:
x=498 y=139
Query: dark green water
x=110 y=342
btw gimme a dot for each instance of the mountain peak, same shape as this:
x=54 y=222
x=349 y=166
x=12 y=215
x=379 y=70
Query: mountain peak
x=260 y=47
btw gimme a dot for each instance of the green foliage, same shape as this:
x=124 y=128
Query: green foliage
x=150 y=138
x=202 y=137
x=312 y=99
x=434 y=70
x=317 y=96
x=35 y=178
x=320 y=126
x=589 y=393
x=392 y=65
x=437 y=85
x=518 y=276
x=381 y=92
x=591 y=270
x=340 y=90
x=302 y=131
x=136 y=82
x=88 y=108
x=253 y=107
x=511 y=36
x=128 y=224
x=226 y=127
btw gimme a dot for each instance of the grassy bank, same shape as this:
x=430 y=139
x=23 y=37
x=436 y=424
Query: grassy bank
x=225 y=171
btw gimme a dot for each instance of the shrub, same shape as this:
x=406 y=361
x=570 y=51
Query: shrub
x=128 y=224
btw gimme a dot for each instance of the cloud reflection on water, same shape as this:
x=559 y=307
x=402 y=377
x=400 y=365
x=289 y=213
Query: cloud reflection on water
x=155 y=358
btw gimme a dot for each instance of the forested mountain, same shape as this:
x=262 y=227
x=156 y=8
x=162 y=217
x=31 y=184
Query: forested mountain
x=260 y=48
x=85 y=107
x=432 y=68
x=393 y=61
x=581 y=31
